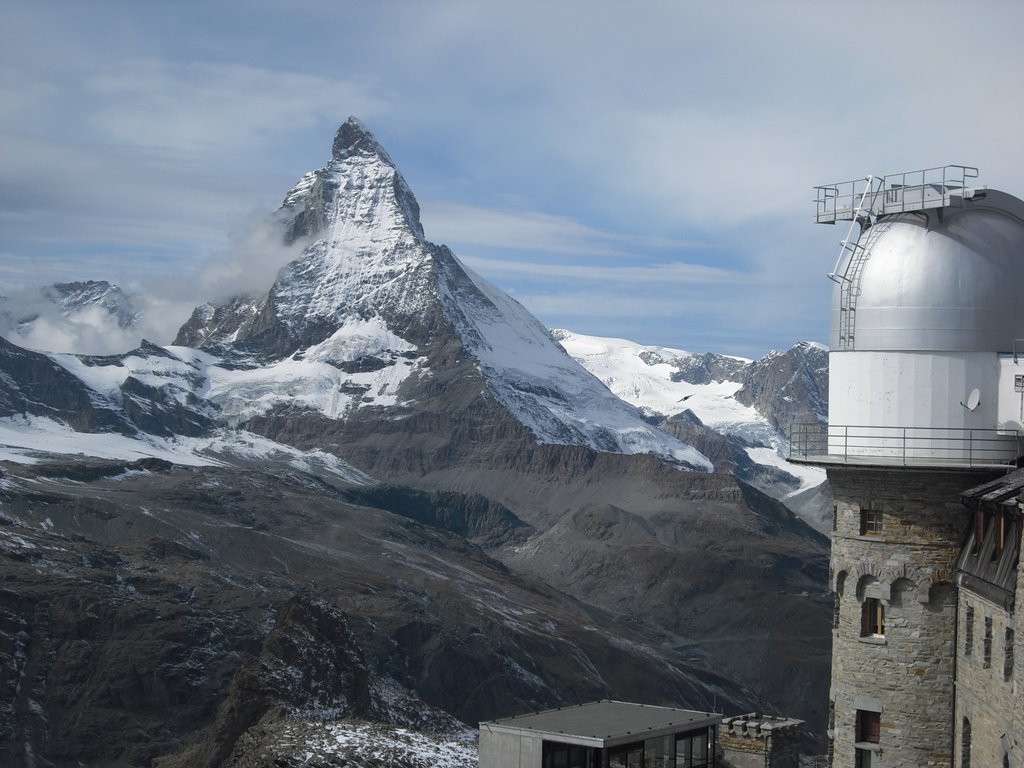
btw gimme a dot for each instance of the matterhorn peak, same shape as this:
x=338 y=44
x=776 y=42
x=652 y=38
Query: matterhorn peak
x=370 y=296
x=360 y=190
x=355 y=138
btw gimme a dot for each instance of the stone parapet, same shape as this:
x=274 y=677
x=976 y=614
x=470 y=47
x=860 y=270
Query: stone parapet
x=755 y=740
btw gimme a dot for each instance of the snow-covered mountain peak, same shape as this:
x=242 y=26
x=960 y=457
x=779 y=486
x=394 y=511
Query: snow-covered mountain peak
x=366 y=254
x=360 y=191
x=76 y=296
x=370 y=297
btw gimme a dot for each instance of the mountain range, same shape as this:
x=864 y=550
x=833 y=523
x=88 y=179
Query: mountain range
x=383 y=491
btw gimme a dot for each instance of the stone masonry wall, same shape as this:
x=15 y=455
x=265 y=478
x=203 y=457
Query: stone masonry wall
x=906 y=674
x=988 y=697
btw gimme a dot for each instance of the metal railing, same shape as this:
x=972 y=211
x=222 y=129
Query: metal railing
x=874 y=196
x=904 y=446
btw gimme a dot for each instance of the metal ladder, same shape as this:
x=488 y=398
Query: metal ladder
x=852 y=256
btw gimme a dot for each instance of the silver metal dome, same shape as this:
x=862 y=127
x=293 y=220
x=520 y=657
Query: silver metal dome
x=942 y=279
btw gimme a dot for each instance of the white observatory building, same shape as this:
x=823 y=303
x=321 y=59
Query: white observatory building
x=926 y=400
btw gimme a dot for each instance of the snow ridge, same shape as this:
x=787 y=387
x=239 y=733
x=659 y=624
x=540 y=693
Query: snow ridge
x=540 y=384
x=665 y=382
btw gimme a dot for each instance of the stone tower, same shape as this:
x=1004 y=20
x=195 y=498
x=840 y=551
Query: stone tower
x=926 y=398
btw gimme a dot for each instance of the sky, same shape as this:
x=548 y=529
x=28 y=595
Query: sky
x=640 y=170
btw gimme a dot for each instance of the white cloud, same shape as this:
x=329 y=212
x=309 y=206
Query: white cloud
x=31 y=319
x=468 y=225
x=673 y=273
x=217 y=107
x=250 y=264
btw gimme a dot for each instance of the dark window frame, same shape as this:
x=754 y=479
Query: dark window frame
x=1008 y=654
x=987 y=644
x=869 y=726
x=871 y=521
x=872 y=618
x=969 y=631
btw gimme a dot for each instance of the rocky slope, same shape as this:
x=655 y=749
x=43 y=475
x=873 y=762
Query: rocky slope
x=148 y=610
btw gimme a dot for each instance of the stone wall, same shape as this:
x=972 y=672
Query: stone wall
x=990 y=700
x=906 y=672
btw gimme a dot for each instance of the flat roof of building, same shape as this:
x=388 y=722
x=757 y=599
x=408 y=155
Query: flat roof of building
x=604 y=723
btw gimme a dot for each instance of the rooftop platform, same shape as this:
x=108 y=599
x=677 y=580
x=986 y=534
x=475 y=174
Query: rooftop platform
x=605 y=723
x=873 y=196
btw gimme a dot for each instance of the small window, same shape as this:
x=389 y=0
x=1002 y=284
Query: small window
x=1008 y=654
x=870 y=522
x=866 y=758
x=987 y=643
x=965 y=743
x=872 y=618
x=869 y=726
x=555 y=755
x=969 y=631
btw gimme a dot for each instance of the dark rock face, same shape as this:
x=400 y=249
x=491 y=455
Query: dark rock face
x=219 y=324
x=472 y=516
x=705 y=368
x=161 y=410
x=309 y=664
x=789 y=387
x=33 y=384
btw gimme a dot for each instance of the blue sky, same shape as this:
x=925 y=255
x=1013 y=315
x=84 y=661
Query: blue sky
x=642 y=170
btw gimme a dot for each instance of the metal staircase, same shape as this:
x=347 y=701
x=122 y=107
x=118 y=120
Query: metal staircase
x=862 y=202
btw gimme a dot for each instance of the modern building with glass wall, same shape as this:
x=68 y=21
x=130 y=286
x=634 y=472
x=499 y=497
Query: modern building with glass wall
x=602 y=734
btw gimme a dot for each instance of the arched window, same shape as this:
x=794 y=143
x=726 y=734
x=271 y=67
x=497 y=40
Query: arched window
x=902 y=592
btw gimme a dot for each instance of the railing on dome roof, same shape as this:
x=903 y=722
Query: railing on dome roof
x=862 y=201
x=818 y=443
x=873 y=196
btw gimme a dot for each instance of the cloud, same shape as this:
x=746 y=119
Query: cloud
x=250 y=264
x=211 y=107
x=468 y=225
x=32 y=319
x=673 y=273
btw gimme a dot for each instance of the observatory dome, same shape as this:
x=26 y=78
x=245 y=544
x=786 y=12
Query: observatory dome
x=949 y=279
